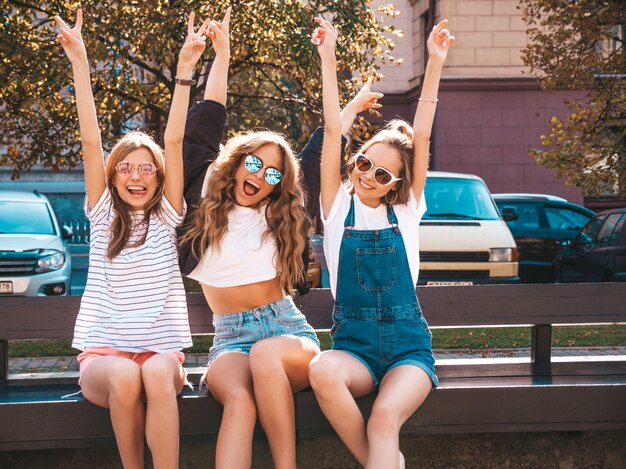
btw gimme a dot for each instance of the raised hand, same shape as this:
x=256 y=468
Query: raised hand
x=71 y=38
x=324 y=37
x=363 y=100
x=195 y=42
x=366 y=98
x=439 y=41
x=219 y=32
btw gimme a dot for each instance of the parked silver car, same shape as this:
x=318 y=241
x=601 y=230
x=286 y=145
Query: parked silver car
x=34 y=257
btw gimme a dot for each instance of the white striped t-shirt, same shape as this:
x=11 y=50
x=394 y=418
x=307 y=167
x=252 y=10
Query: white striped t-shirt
x=135 y=302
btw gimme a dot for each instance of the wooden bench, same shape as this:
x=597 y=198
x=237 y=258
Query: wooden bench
x=540 y=393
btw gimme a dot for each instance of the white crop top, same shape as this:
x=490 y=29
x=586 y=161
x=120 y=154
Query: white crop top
x=245 y=255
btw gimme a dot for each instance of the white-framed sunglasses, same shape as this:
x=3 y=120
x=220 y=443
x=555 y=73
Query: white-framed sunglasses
x=382 y=176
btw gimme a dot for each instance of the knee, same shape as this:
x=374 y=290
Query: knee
x=126 y=383
x=323 y=374
x=239 y=403
x=265 y=359
x=383 y=421
x=158 y=378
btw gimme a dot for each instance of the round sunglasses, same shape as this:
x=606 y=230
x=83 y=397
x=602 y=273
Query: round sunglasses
x=381 y=175
x=145 y=169
x=253 y=164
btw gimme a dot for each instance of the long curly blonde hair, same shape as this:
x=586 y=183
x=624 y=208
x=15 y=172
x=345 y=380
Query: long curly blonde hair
x=284 y=210
x=123 y=225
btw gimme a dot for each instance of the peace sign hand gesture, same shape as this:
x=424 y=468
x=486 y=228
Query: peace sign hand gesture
x=71 y=38
x=195 y=43
x=219 y=32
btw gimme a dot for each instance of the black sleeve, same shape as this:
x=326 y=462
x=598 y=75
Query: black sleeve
x=310 y=159
x=203 y=133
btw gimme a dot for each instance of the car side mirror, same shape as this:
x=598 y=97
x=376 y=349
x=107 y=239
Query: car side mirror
x=66 y=233
x=509 y=213
x=581 y=239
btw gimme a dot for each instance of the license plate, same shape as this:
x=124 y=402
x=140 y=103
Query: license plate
x=445 y=284
x=6 y=288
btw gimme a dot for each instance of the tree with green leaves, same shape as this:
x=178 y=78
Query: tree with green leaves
x=579 y=45
x=274 y=80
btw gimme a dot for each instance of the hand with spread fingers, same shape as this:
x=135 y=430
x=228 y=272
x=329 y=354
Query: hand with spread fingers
x=325 y=37
x=71 y=38
x=439 y=41
x=219 y=33
x=195 y=42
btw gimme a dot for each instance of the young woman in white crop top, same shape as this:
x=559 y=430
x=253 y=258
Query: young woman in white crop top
x=248 y=232
x=132 y=323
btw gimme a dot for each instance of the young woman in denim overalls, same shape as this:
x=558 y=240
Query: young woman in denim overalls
x=380 y=338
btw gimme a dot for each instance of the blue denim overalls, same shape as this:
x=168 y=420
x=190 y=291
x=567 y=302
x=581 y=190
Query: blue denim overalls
x=377 y=318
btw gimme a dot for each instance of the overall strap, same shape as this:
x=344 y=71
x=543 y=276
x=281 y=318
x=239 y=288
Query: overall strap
x=349 y=221
x=391 y=217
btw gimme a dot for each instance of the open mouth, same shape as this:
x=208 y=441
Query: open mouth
x=137 y=191
x=250 y=188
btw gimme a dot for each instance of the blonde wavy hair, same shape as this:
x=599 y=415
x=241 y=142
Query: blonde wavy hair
x=398 y=134
x=286 y=219
x=122 y=225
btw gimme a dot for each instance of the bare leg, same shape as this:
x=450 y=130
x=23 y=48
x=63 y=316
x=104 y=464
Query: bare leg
x=163 y=380
x=337 y=378
x=401 y=392
x=280 y=367
x=230 y=381
x=115 y=383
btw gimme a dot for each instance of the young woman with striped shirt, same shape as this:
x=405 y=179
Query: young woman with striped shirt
x=132 y=323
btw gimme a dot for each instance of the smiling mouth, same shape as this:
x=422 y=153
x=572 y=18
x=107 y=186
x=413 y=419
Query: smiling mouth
x=364 y=185
x=137 y=191
x=250 y=188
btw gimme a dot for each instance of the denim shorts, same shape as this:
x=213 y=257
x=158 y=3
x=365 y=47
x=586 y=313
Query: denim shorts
x=382 y=344
x=238 y=332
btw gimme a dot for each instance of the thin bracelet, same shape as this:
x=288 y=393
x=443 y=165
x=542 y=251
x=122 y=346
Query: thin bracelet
x=185 y=82
x=434 y=100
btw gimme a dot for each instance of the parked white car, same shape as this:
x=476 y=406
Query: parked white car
x=463 y=238
x=34 y=257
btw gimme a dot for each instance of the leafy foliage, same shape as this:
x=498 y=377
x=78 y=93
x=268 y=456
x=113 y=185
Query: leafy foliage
x=579 y=44
x=275 y=79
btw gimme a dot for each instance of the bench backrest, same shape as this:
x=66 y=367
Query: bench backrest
x=459 y=306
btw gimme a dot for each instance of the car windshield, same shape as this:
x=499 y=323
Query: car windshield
x=458 y=199
x=25 y=218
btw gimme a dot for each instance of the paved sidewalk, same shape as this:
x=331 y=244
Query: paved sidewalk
x=18 y=367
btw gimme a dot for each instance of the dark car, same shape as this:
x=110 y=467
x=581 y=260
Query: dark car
x=597 y=253
x=540 y=224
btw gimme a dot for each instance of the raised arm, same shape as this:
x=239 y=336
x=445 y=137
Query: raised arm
x=217 y=82
x=363 y=100
x=190 y=53
x=310 y=156
x=325 y=37
x=93 y=156
x=439 y=41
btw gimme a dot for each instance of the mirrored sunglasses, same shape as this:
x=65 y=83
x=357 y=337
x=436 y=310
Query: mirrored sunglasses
x=381 y=175
x=253 y=164
x=145 y=169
